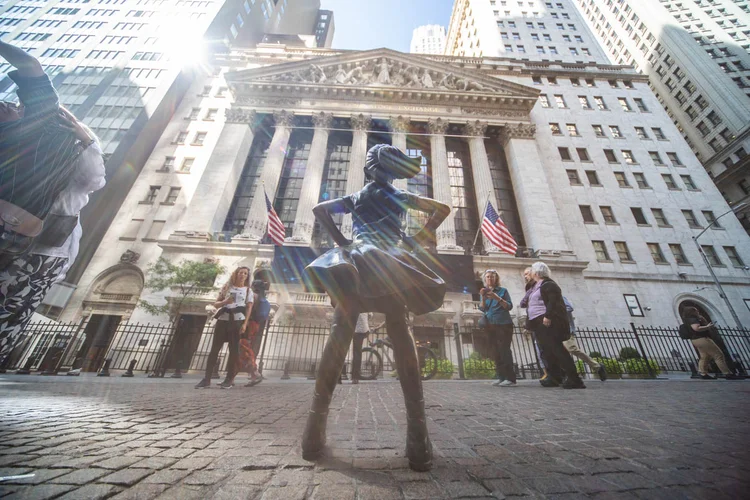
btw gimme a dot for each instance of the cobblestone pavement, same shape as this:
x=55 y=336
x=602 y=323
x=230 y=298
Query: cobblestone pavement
x=89 y=437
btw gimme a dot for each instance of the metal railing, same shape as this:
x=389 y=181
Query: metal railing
x=296 y=348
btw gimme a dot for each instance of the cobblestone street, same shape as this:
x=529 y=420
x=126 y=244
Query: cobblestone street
x=89 y=437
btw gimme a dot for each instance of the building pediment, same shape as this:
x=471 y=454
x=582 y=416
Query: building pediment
x=379 y=73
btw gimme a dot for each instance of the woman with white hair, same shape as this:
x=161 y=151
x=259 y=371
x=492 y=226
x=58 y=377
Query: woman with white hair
x=549 y=322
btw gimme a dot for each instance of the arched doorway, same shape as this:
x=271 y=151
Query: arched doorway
x=713 y=333
x=691 y=303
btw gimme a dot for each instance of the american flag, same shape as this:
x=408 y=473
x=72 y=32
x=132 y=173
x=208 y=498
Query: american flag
x=276 y=228
x=495 y=230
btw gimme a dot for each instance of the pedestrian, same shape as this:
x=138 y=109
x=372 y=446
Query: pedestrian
x=361 y=332
x=234 y=306
x=529 y=284
x=696 y=328
x=43 y=186
x=572 y=345
x=496 y=305
x=549 y=322
x=251 y=338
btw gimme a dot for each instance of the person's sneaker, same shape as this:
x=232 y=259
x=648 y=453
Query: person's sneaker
x=226 y=385
x=576 y=383
x=602 y=372
x=707 y=377
x=732 y=376
x=549 y=382
x=203 y=384
x=497 y=383
x=506 y=383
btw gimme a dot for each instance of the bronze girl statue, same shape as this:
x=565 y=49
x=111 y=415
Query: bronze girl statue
x=377 y=271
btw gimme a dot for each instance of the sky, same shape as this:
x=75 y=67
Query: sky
x=371 y=24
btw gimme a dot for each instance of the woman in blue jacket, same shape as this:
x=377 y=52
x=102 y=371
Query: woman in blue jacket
x=496 y=305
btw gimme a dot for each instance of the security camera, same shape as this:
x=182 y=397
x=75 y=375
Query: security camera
x=746 y=268
x=647 y=308
x=682 y=275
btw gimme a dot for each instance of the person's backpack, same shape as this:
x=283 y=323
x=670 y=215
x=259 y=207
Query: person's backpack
x=686 y=333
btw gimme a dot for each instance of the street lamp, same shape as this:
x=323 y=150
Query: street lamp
x=708 y=264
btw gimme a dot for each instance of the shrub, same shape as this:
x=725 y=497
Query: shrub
x=612 y=366
x=639 y=366
x=580 y=368
x=629 y=353
x=445 y=368
x=478 y=367
x=595 y=354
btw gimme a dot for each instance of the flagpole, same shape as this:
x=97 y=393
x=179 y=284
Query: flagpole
x=484 y=211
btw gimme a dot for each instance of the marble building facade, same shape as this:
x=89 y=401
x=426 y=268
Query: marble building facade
x=555 y=146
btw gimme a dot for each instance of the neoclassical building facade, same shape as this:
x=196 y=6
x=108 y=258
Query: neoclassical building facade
x=580 y=161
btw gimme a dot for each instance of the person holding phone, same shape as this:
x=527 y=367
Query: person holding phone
x=496 y=305
x=700 y=332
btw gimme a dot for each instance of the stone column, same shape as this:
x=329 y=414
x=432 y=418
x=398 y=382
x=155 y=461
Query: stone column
x=400 y=126
x=355 y=177
x=304 y=220
x=257 y=217
x=542 y=227
x=480 y=165
x=209 y=205
x=441 y=185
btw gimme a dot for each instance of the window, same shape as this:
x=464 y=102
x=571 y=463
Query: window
x=536 y=80
x=600 y=103
x=608 y=215
x=658 y=133
x=583 y=155
x=181 y=137
x=640 y=104
x=154 y=231
x=194 y=114
x=573 y=178
x=623 y=252
x=564 y=154
x=575 y=82
x=615 y=131
x=572 y=129
x=172 y=195
x=678 y=254
x=734 y=257
x=660 y=218
x=711 y=219
x=601 y=251
x=669 y=181
x=656 y=158
x=555 y=129
x=711 y=255
x=153 y=192
x=639 y=217
x=590 y=82
x=598 y=130
x=584 y=102
x=656 y=253
x=187 y=164
x=688 y=181
x=593 y=178
x=552 y=80
x=587 y=214
x=544 y=100
x=131 y=232
x=560 y=100
x=168 y=164
x=622 y=180
x=211 y=114
x=200 y=137
x=628 y=156
x=624 y=104
x=691 y=220
x=641 y=133
x=610 y=155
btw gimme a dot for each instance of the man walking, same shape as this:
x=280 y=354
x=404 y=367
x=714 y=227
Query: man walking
x=572 y=346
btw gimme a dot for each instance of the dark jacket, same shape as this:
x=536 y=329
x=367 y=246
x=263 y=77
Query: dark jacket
x=556 y=312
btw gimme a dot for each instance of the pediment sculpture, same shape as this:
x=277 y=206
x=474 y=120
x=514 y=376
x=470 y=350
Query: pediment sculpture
x=382 y=72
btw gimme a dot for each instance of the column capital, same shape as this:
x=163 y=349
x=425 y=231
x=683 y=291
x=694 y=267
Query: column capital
x=283 y=118
x=240 y=115
x=322 y=120
x=399 y=124
x=437 y=126
x=476 y=128
x=361 y=122
x=517 y=131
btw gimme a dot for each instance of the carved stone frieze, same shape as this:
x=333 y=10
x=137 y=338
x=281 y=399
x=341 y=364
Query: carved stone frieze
x=505 y=113
x=476 y=128
x=130 y=257
x=240 y=115
x=361 y=122
x=437 y=125
x=517 y=131
x=283 y=118
x=267 y=101
x=322 y=120
x=399 y=124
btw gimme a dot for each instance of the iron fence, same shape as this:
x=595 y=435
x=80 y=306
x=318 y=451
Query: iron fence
x=465 y=352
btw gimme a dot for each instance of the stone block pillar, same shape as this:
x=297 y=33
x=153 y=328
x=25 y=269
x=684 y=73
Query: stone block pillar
x=483 y=185
x=257 y=217
x=304 y=220
x=213 y=196
x=441 y=185
x=400 y=126
x=541 y=223
x=355 y=177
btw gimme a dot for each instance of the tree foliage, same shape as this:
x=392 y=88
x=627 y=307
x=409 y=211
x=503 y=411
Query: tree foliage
x=186 y=276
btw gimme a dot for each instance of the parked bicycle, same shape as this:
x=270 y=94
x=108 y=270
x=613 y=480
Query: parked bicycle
x=372 y=360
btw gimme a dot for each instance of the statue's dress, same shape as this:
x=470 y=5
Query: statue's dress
x=376 y=269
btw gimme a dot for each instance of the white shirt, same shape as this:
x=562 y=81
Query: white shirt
x=241 y=299
x=88 y=176
x=363 y=323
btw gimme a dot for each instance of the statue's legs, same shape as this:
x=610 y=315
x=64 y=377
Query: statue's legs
x=331 y=364
x=418 y=446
